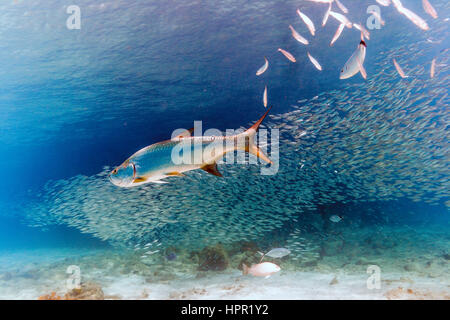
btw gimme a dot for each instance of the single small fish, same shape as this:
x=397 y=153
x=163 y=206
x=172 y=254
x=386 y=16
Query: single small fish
x=399 y=69
x=352 y=66
x=325 y=17
x=307 y=21
x=433 y=67
x=263 y=68
x=315 y=62
x=418 y=21
x=397 y=4
x=337 y=34
x=265 y=269
x=265 y=97
x=341 y=6
x=276 y=253
x=433 y=41
x=341 y=18
x=364 y=31
x=335 y=218
x=156 y=162
x=429 y=9
x=287 y=55
x=384 y=2
x=297 y=36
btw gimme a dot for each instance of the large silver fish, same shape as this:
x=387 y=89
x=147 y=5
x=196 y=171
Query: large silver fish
x=157 y=161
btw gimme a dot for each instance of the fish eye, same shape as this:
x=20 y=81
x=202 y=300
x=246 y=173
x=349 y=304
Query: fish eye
x=114 y=171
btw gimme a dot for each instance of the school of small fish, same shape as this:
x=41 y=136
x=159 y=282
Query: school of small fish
x=375 y=140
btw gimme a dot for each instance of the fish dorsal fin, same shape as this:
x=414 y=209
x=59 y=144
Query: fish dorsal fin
x=186 y=133
x=258 y=123
x=212 y=168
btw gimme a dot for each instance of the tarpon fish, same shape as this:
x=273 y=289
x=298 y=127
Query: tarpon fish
x=156 y=162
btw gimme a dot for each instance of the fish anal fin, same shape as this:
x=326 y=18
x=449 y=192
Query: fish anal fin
x=212 y=169
x=175 y=173
x=140 y=179
x=257 y=152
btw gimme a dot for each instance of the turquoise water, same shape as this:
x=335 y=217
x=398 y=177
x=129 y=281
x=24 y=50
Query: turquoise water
x=74 y=104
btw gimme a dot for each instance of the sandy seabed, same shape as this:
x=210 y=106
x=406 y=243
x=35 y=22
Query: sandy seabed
x=31 y=274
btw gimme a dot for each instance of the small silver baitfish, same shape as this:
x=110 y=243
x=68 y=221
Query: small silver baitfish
x=335 y=218
x=156 y=162
x=275 y=253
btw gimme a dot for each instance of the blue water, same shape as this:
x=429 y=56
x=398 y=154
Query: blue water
x=75 y=101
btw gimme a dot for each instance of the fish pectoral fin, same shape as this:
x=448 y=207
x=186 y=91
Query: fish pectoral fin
x=212 y=168
x=139 y=179
x=175 y=173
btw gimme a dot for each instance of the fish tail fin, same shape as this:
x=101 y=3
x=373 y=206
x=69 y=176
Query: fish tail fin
x=250 y=145
x=244 y=269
